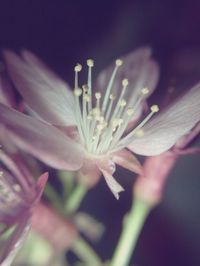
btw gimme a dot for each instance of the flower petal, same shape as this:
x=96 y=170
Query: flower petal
x=40 y=185
x=43 y=91
x=14 y=243
x=138 y=68
x=89 y=173
x=107 y=168
x=44 y=141
x=127 y=160
x=6 y=92
x=162 y=132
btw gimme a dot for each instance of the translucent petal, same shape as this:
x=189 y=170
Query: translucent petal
x=107 y=167
x=138 y=68
x=44 y=141
x=127 y=160
x=162 y=132
x=42 y=90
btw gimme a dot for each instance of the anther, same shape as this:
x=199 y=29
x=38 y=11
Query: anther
x=96 y=112
x=122 y=103
x=98 y=95
x=125 y=82
x=78 y=68
x=130 y=111
x=17 y=187
x=85 y=88
x=154 y=108
x=90 y=62
x=77 y=91
x=139 y=133
x=118 y=62
x=1 y=173
x=86 y=98
x=145 y=91
x=112 y=97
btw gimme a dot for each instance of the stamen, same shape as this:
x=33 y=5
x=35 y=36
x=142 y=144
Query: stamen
x=118 y=105
x=121 y=129
x=138 y=130
x=17 y=187
x=77 y=92
x=112 y=98
x=77 y=69
x=90 y=64
x=145 y=91
x=118 y=63
x=98 y=97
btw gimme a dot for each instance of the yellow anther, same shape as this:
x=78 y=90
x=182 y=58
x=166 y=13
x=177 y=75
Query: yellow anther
x=78 y=68
x=87 y=97
x=102 y=125
x=96 y=112
x=85 y=88
x=122 y=103
x=154 y=108
x=112 y=97
x=117 y=122
x=98 y=95
x=1 y=173
x=139 y=132
x=17 y=187
x=90 y=62
x=77 y=92
x=130 y=111
x=118 y=62
x=125 y=82
x=145 y=91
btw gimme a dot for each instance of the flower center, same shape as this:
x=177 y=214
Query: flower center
x=103 y=119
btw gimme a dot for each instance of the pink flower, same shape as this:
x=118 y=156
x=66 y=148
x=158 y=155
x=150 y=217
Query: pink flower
x=18 y=196
x=88 y=130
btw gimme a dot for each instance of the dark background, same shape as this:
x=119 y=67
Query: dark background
x=63 y=33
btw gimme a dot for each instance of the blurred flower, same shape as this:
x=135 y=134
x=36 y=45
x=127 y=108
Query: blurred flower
x=18 y=196
x=89 y=132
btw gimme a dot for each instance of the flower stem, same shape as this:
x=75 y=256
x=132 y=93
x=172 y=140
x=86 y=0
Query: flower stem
x=133 y=223
x=85 y=253
x=74 y=201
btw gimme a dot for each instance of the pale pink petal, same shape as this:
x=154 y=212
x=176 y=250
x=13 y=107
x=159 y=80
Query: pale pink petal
x=40 y=185
x=43 y=91
x=89 y=173
x=107 y=167
x=127 y=160
x=162 y=132
x=140 y=70
x=44 y=141
x=15 y=242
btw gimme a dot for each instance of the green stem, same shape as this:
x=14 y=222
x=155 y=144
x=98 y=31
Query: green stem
x=53 y=196
x=74 y=201
x=85 y=253
x=133 y=223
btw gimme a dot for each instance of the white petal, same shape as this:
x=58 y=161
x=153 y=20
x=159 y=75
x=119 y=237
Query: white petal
x=127 y=160
x=107 y=168
x=162 y=132
x=43 y=91
x=138 y=68
x=44 y=141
